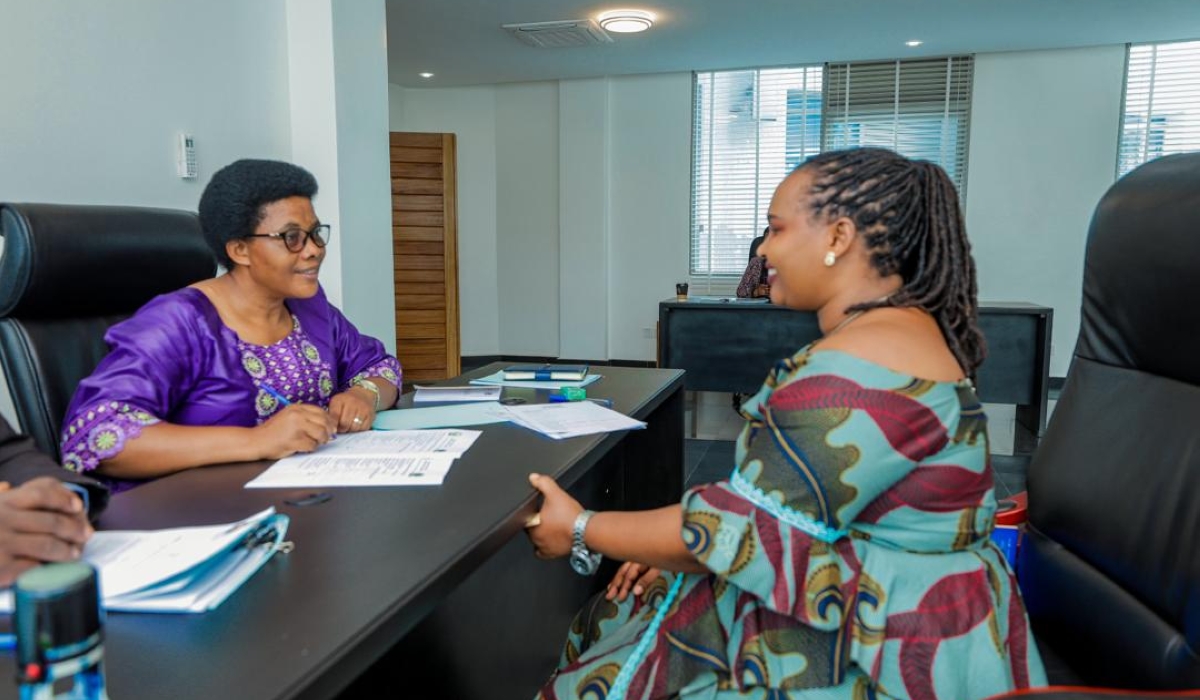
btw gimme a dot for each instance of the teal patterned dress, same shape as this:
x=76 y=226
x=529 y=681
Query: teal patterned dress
x=848 y=555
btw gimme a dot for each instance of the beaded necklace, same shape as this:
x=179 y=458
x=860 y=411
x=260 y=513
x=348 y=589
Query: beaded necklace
x=855 y=314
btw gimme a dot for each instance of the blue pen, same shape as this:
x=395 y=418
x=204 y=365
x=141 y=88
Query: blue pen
x=278 y=396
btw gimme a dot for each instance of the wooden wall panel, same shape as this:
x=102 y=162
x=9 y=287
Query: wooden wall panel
x=417 y=233
x=418 y=262
x=418 y=218
x=416 y=155
x=417 y=202
x=406 y=185
x=425 y=254
x=435 y=276
x=423 y=171
x=431 y=248
x=408 y=139
x=406 y=316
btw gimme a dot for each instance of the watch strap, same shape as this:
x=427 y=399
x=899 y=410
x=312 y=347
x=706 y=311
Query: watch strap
x=579 y=529
x=369 y=386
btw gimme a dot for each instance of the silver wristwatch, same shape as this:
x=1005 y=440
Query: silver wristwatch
x=583 y=560
x=371 y=387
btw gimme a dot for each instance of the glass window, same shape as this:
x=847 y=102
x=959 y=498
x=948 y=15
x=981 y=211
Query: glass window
x=752 y=127
x=1161 y=110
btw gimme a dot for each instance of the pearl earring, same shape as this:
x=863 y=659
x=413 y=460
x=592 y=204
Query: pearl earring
x=830 y=259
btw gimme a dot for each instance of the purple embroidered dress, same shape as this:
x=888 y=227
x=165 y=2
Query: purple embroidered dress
x=175 y=361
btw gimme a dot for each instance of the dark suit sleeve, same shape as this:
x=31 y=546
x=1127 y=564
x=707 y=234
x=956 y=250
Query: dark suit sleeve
x=21 y=461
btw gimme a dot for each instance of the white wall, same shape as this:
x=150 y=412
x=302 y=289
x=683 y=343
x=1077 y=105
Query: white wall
x=470 y=114
x=364 y=173
x=651 y=205
x=95 y=95
x=584 y=164
x=1043 y=150
x=527 y=217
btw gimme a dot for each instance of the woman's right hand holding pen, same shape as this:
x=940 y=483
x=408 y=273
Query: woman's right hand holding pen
x=296 y=428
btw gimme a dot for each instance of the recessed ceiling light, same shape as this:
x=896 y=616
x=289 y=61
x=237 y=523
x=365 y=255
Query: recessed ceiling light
x=913 y=43
x=426 y=76
x=626 y=21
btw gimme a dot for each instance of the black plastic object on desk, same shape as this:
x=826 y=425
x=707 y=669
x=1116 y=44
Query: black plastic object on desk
x=60 y=631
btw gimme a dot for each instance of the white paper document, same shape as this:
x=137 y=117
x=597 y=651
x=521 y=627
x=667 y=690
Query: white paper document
x=372 y=458
x=315 y=470
x=399 y=443
x=450 y=394
x=498 y=379
x=186 y=569
x=571 y=419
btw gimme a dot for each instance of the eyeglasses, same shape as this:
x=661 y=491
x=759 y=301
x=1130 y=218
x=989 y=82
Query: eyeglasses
x=295 y=239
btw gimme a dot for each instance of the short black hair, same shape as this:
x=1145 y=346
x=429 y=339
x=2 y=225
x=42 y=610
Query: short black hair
x=231 y=206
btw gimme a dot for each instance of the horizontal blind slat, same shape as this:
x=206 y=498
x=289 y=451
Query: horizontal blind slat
x=1160 y=113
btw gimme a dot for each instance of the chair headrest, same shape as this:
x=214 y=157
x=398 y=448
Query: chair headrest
x=63 y=261
x=1142 y=272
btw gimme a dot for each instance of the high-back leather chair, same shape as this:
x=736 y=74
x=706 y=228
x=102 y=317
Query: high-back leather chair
x=1111 y=562
x=67 y=273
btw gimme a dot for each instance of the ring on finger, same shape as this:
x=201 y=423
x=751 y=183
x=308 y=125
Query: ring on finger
x=357 y=420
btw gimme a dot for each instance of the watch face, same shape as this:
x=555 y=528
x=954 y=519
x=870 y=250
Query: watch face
x=580 y=564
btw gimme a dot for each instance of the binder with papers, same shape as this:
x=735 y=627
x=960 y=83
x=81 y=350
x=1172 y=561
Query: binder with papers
x=180 y=570
x=546 y=372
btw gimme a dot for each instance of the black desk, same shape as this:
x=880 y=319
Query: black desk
x=730 y=346
x=375 y=564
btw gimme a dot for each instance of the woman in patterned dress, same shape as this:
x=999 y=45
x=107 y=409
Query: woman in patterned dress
x=253 y=364
x=848 y=553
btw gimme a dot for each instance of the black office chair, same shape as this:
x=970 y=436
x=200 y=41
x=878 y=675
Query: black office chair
x=1110 y=565
x=67 y=273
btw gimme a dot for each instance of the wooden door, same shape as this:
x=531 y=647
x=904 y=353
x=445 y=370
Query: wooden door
x=425 y=247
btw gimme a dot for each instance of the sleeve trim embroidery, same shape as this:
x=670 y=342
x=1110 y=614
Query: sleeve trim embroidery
x=745 y=488
x=101 y=432
x=387 y=368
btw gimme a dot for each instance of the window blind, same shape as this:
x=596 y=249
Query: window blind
x=1160 y=114
x=920 y=108
x=750 y=128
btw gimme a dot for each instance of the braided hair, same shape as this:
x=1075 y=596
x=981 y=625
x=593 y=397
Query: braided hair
x=908 y=214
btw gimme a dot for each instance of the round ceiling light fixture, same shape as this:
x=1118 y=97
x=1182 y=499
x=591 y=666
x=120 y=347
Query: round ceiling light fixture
x=426 y=75
x=626 y=21
x=913 y=43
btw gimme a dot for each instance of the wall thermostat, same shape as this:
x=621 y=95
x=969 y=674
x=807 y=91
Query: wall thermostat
x=187 y=157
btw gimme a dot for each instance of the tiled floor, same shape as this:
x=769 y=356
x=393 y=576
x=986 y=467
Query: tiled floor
x=713 y=425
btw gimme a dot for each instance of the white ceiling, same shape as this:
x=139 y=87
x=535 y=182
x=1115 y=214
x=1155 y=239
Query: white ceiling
x=462 y=43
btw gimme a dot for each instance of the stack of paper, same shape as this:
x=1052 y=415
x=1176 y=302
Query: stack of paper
x=571 y=419
x=186 y=569
x=372 y=458
x=498 y=379
x=448 y=394
x=545 y=372
x=449 y=416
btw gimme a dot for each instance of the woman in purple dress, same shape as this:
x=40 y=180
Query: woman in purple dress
x=253 y=364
